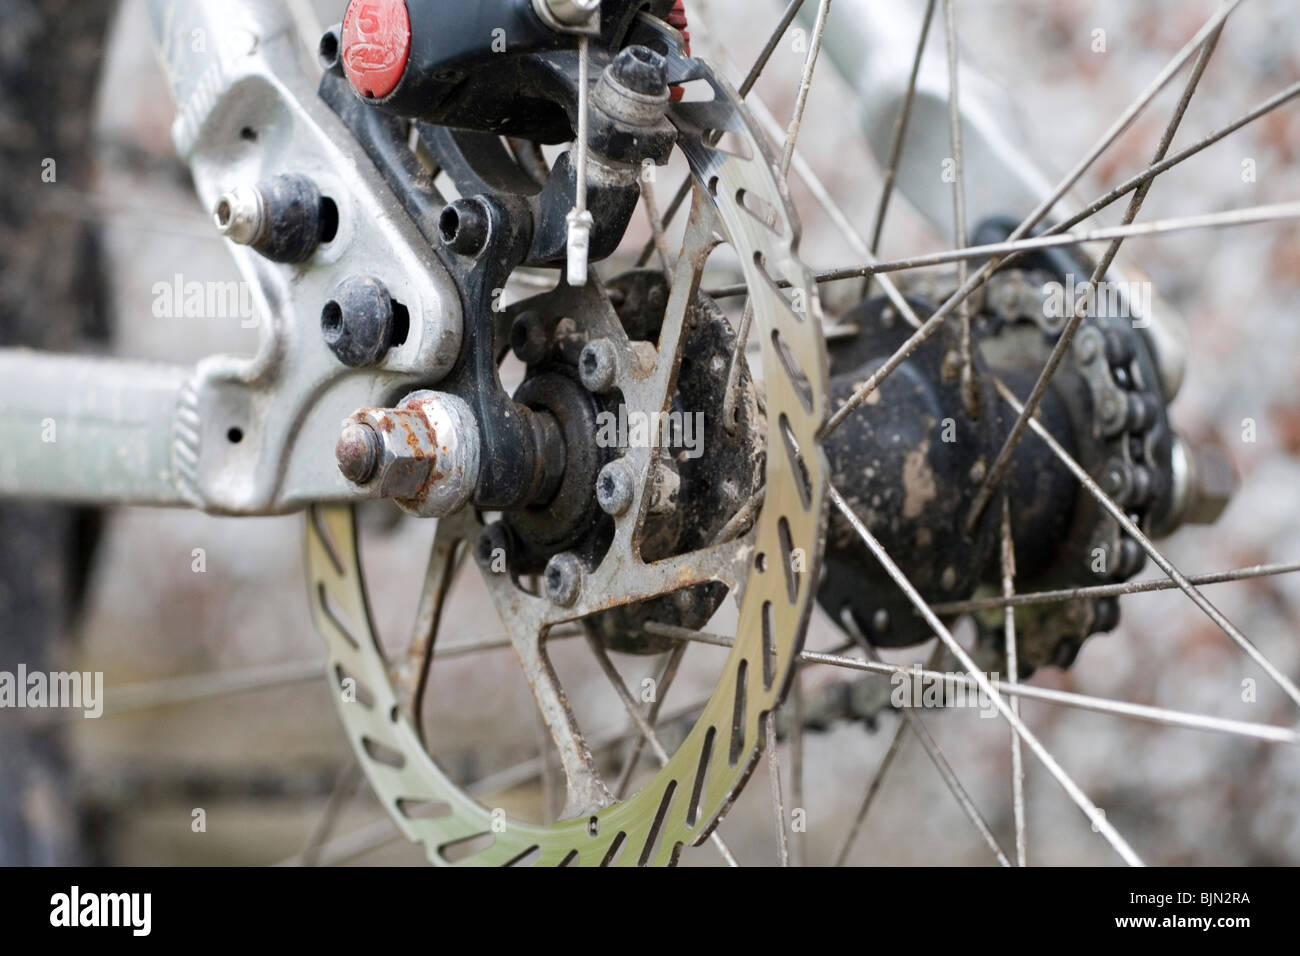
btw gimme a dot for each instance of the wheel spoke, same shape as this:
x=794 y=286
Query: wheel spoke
x=932 y=325
x=969 y=395
x=410 y=672
x=1012 y=249
x=796 y=763
x=755 y=71
x=938 y=758
x=643 y=727
x=1111 y=590
x=895 y=747
x=783 y=173
x=1090 y=810
x=1133 y=531
x=899 y=136
x=344 y=790
x=1003 y=460
x=348 y=847
x=823 y=198
x=672 y=663
x=774 y=784
x=1013 y=678
x=656 y=227
x=1101 y=705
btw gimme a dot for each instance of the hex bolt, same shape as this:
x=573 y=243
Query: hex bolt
x=464 y=226
x=529 y=339
x=563 y=579
x=615 y=488
x=641 y=70
x=284 y=218
x=358 y=451
x=598 y=366
x=240 y=215
x=357 y=321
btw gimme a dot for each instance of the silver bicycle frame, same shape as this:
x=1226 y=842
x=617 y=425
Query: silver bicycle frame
x=237 y=435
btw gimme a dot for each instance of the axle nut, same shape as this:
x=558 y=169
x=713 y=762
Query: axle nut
x=426 y=453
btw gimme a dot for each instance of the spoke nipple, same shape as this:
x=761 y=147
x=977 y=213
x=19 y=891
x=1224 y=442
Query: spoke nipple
x=563 y=579
x=615 y=488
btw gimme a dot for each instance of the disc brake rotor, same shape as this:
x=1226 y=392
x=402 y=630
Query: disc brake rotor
x=771 y=570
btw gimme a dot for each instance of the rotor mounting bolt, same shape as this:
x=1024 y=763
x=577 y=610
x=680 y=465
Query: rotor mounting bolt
x=615 y=488
x=464 y=226
x=598 y=366
x=563 y=579
x=357 y=321
x=358 y=451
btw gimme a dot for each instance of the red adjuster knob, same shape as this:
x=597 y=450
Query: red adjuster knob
x=376 y=45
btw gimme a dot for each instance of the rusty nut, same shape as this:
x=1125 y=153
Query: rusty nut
x=424 y=454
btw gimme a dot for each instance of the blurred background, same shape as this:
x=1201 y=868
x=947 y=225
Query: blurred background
x=269 y=765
